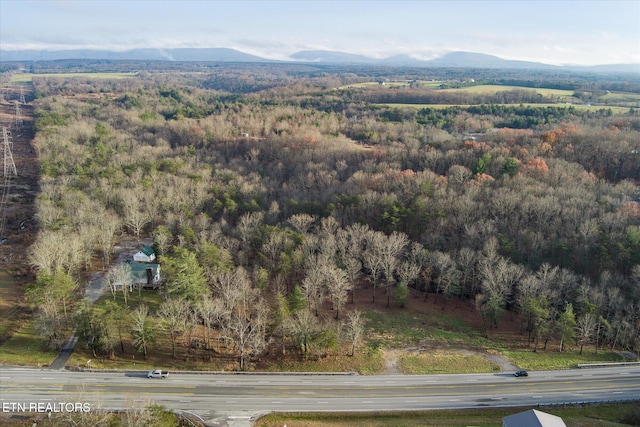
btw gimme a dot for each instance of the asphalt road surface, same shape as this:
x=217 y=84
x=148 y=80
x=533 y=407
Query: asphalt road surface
x=234 y=399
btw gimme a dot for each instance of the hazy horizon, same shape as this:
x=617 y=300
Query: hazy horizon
x=550 y=32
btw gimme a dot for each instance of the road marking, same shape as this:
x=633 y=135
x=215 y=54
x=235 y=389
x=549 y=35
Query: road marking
x=537 y=397
x=277 y=401
x=232 y=401
x=367 y=402
x=323 y=402
x=496 y=398
x=411 y=401
x=185 y=401
x=46 y=378
x=618 y=392
x=454 y=400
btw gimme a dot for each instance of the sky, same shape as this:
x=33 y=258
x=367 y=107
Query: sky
x=548 y=31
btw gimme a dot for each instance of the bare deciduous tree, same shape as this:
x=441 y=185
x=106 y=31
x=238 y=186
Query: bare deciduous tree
x=355 y=329
x=586 y=329
x=245 y=314
x=135 y=215
x=142 y=329
x=107 y=235
x=120 y=277
x=338 y=286
x=373 y=259
x=173 y=315
x=301 y=222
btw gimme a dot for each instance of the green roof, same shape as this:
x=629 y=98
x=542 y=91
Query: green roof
x=147 y=250
x=139 y=271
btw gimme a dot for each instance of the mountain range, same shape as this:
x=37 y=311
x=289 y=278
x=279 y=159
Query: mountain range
x=453 y=59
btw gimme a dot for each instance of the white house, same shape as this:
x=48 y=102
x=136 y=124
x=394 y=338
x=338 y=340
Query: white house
x=140 y=275
x=532 y=418
x=145 y=275
x=145 y=254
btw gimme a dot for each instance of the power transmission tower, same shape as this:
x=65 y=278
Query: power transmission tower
x=22 y=100
x=9 y=171
x=9 y=167
x=18 y=116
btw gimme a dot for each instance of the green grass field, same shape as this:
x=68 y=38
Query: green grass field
x=27 y=78
x=491 y=89
x=25 y=348
x=549 y=360
x=402 y=329
x=605 y=415
x=445 y=362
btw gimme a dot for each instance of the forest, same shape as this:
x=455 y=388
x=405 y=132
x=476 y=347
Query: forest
x=274 y=195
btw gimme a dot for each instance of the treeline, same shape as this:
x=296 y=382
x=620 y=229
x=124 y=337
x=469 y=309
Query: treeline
x=422 y=95
x=272 y=211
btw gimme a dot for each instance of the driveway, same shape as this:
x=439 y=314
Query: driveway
x=97 y=287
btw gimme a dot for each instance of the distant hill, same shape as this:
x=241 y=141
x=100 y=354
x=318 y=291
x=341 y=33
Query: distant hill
x=451 y=60
x=331 y=57
x=481 y=60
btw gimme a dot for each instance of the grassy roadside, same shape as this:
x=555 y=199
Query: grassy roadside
x=551 y=360
x=25 y=348
x=606 y=415
x=406 y=342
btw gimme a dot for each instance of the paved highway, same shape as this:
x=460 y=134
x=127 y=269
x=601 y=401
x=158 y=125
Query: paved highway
x=232 y=399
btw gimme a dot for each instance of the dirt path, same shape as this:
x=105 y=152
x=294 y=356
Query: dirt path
x=500 y=360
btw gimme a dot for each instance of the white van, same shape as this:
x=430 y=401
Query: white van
x=158 y=374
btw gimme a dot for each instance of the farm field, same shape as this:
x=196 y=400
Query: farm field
x=434 y=84
x=28 y=78
x=489 y=89
x=581 y=107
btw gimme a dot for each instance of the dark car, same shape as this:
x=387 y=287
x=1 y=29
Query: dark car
x=521 y=374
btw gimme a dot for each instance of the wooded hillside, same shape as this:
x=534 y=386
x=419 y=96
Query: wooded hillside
x=271 y=195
